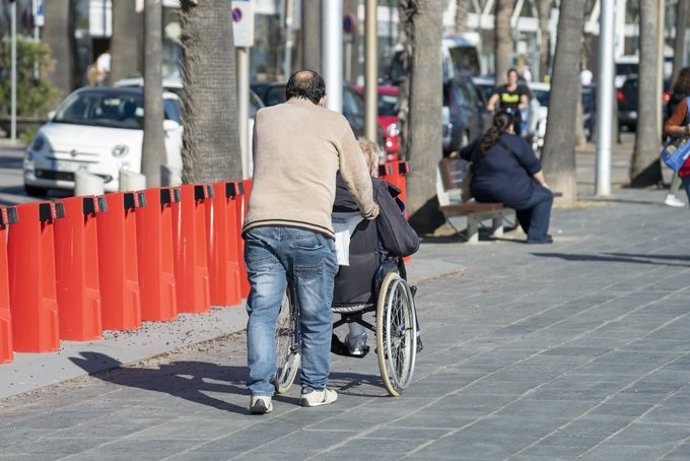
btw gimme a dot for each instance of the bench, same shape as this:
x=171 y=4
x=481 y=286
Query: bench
x=451 y=174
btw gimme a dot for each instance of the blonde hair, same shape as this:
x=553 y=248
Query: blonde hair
x=371 y=153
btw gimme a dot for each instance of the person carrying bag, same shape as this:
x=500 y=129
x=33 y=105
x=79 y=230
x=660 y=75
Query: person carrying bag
x=676 y=153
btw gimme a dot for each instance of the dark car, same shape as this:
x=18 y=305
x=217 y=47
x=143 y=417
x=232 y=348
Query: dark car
x=353 y=106
x=468 y=116
x=627 y=97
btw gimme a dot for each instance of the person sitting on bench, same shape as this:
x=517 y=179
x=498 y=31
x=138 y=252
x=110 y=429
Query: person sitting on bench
x=505 y=169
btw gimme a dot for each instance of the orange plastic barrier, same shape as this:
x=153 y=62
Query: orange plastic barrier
x=8 y=215
x=31 y=262
x=223 y=230
x=246 y=188
x=154 y=224
x=119 y=268
x=76 y=269
x=191 y=264
x=400 y=170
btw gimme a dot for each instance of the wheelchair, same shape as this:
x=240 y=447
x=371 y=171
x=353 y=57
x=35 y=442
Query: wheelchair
x=373 y=284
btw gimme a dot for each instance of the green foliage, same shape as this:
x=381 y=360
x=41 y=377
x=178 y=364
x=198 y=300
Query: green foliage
x=35 y=97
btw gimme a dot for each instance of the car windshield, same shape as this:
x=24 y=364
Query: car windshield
x=388 y=104
x=542 y=96
x=105 y=109
x=111 y=110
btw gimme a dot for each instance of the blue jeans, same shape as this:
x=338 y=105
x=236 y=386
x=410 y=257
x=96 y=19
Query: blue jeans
x=272 y=256
x=535 y=214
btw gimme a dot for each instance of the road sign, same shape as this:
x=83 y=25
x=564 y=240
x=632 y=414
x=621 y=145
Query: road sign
x=348 y=24
x=243 y=22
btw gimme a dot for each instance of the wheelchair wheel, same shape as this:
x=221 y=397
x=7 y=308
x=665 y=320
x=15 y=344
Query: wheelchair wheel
x=287 y=347
x=396 y=333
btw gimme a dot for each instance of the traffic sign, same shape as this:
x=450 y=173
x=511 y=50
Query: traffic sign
x=242 y=17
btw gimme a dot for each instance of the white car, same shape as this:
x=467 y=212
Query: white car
x=98 y=130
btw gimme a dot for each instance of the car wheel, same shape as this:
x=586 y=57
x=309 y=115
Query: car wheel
x=34 y=191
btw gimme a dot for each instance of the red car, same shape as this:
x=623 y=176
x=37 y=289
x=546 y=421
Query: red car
x=388 y=119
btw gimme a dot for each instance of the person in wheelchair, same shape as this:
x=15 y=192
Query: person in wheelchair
x=372 y=249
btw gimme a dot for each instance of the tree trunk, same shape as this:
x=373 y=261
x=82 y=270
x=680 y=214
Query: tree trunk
x=311 y=36
x=58 y=32
x=558 y=157
x=461 y=7
x=503 y=39
x=211 y=138
x=679 y=44
x=153 y=153
x=645 y=169
x=544 y=10
x=125 y=44
x=424 y=32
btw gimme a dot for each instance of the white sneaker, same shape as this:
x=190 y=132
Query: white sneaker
x=671 y=200
x=260 y=404
x=317 y=398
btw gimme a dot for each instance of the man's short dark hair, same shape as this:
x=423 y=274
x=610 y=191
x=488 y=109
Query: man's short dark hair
x=306 y=84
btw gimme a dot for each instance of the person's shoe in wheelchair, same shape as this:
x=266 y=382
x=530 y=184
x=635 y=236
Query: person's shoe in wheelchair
x=420 y=346
x=356 y=344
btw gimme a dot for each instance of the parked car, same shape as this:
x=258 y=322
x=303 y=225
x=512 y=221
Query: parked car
x=627 y=96
x=98 y=130
x=388 y=104
x=467 y=115
x=353 y=106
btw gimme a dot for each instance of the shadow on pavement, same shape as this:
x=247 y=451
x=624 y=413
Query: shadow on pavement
x=615 y=258
x=186 y=380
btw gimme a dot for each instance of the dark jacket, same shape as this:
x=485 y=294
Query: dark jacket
x=355 y=285
x=504 y=173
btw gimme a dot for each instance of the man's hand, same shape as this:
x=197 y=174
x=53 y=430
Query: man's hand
x=371 y=214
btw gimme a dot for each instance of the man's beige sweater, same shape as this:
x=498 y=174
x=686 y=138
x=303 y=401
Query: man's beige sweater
x=298 y=149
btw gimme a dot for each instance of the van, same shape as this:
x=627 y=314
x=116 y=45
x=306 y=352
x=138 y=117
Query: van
x=459 y=56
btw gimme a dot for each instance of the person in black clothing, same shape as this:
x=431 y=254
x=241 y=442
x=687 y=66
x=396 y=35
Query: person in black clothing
x=505 y=169
x=392 y=235
x=512 y=97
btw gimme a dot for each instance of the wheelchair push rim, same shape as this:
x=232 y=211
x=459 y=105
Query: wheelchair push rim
x=396 y=333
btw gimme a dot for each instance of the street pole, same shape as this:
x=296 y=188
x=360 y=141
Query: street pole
x=661 y=20
x=242 y=63
x=13 y=123
x=605 y=115
x=332 y=52
x=370 y=81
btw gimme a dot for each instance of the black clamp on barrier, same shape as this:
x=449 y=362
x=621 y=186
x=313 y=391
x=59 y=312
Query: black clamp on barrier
x=240 y=188
x=94 y=204
x=231 y=189
x=8 y=215
x=134 y=200
x=385 y=169
x=403 y=167
x=201 y=192
x=170 y=195
x=50 y=211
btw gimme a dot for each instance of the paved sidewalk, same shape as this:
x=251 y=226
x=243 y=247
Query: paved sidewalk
x=576 y=350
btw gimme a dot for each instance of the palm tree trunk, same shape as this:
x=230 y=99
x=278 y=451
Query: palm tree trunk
x=211 y=136
x=311 y=36
x=424 y=32
x=153 y=154
x=503 y=47
x=58 y=32
x=544 y=9
x=645 y=169
x=558 y=157
x=125 y=44
x=461 y=7
x=679 y=44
